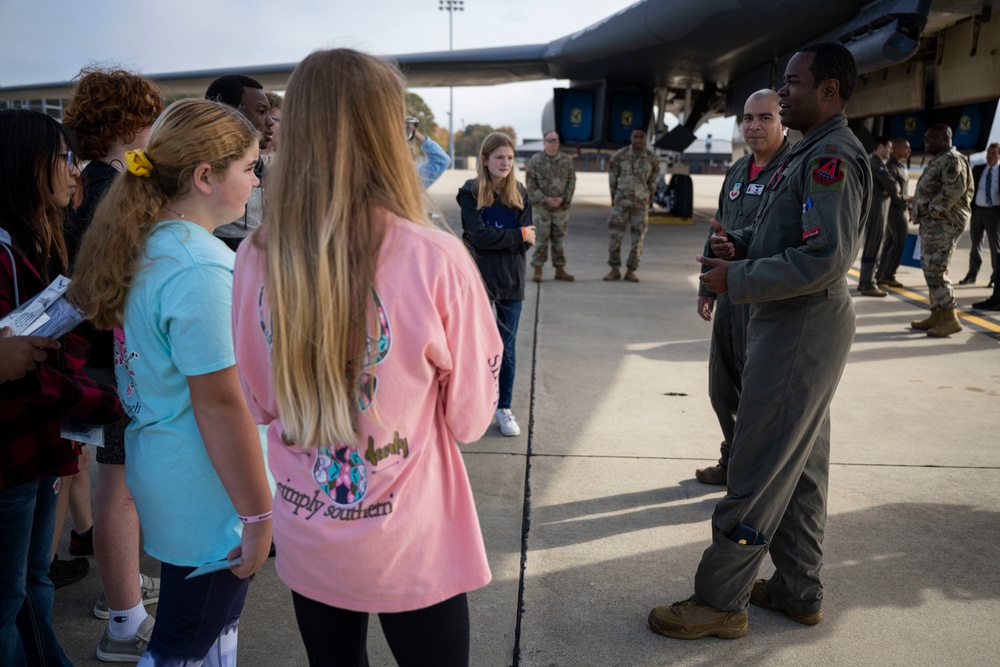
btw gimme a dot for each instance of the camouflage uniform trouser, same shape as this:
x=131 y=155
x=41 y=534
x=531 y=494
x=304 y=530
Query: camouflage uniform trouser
x=549 y=225
x=938 y=239
x=636 y=220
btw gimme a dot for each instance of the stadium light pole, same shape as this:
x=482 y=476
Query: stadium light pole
x=451 y=6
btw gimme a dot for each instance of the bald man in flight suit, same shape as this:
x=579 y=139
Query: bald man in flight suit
x=739 y=201
x=791 y=267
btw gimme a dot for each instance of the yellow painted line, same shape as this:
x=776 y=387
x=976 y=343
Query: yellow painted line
x=664 y=219
x=915 y=296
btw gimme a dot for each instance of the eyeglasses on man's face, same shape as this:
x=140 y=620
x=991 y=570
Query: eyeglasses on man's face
x=552 y=140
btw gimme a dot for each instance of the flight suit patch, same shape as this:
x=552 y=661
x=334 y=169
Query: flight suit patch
x=810 y=233
x=755 y=189
x=828 y=174
x=735 y=192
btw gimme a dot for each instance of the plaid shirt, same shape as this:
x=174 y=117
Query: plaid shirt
x=31 y=407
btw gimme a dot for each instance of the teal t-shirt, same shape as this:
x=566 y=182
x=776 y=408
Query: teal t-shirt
x=177 y=324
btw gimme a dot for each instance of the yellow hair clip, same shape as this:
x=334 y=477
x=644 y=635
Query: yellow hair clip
x=138 y=164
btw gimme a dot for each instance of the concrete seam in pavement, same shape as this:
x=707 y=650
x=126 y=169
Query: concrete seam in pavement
x=604 y=457
x=526 y=515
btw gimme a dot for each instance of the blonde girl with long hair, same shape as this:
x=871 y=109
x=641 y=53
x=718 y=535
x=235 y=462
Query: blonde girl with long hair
x=150 y=268
x=497 y=228
x=382 y=356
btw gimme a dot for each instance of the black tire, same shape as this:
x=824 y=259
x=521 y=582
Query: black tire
x=683 y=189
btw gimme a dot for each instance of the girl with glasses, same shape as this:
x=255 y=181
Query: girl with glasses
x=39 y=177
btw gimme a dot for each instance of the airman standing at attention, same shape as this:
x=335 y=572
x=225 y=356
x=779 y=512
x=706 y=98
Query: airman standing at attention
x=942 y=206
x=791 y=267
x=632 y=174
x=739 y=202
x=551 y=181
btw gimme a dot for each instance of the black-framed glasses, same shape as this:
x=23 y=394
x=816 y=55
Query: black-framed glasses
x=552 y=140
x=70 y=159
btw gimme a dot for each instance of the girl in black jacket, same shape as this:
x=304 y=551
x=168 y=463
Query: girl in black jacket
x=496 y=226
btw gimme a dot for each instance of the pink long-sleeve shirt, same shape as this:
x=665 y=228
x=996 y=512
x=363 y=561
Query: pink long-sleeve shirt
x=387 y=523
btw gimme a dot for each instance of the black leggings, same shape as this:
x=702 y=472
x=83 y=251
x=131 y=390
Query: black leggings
x=436 y=635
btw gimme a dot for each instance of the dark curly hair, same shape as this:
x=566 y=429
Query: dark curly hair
x=108 y=105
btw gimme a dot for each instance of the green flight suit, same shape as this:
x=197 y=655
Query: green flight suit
x=791 y=267
x=739 y=203
x=896 y=226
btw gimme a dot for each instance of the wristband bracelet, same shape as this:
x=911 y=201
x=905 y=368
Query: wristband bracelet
x=255 y=519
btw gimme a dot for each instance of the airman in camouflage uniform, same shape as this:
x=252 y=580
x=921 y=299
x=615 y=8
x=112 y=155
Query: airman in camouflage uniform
x=632 y=174
x=550 y=180
x=942 y=206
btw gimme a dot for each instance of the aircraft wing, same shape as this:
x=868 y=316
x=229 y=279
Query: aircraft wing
x=676 y=43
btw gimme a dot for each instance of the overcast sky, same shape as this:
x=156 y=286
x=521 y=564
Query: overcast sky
x=44 y=41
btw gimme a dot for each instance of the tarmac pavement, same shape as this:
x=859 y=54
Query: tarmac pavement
x=592 y=516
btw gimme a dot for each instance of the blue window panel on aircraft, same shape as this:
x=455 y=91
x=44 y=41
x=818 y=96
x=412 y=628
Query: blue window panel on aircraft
x=911 y=126
x=967 y=132
x=626 y=114
x=577 y=116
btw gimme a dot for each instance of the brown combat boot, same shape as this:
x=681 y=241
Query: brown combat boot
x=947 y=324
x=631 y=277
x=538 y=274
x=613 y=274
x=930 y=322
x=562 y=275
x=759 y=598
x=690 y=619
x=716 y=474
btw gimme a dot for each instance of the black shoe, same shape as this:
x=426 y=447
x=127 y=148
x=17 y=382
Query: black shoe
x=81 y=544
x=66 y=572
x=967 y=280
x=989 y=304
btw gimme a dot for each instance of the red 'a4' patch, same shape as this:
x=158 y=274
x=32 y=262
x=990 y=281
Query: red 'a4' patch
x=828 y=170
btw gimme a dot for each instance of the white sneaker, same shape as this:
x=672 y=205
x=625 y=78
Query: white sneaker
x=505 y=420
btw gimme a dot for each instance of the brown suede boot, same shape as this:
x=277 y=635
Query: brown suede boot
x=690 y=619
x=947 y=324
x=761 y=599
x=631 y=277
x=613 y=274
x=538 y=274
x=930 y=322
x=562 y=275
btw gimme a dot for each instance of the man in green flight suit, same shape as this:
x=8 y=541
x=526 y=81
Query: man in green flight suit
x=739 y=201
x=791 y=267
x=632 y=175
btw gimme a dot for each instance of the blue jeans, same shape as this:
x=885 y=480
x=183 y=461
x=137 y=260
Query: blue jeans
x=197 y=620
x=27 y=519
x=508 y=315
